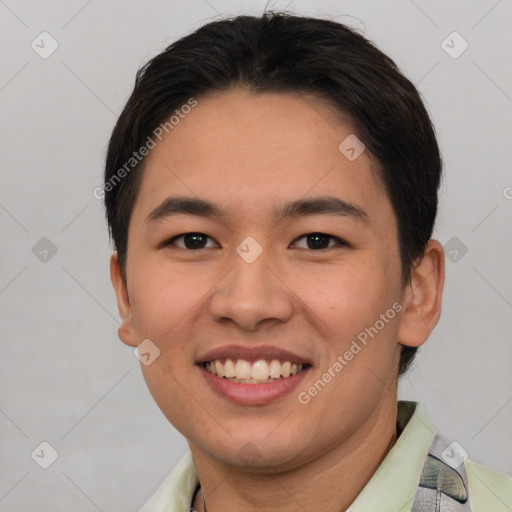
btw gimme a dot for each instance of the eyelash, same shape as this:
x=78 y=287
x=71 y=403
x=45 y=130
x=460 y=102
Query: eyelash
x=340 y=242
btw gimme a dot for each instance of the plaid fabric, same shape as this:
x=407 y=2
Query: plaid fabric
x=443 y=485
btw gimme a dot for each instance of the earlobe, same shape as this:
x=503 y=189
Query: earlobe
x=423 y=297
x=126 y=331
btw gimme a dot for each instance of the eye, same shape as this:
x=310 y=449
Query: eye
x=319 y=241
x=195 y=240
x=191 y=240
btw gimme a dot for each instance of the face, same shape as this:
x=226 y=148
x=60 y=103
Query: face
x=248 y=285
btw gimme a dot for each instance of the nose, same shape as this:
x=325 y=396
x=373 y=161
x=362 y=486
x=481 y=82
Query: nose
x=252 y=294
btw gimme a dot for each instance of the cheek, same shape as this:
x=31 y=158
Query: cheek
x=168 y=388
x=159 y=300
x=350 y=297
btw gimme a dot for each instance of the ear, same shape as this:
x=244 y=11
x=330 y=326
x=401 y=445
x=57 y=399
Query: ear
x=423 y=296
x=126 y=331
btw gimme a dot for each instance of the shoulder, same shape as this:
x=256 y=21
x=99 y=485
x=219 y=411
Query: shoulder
x=463 y=482
x=488 y=489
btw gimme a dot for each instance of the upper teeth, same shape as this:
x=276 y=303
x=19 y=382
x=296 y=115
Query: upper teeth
x=259 y=370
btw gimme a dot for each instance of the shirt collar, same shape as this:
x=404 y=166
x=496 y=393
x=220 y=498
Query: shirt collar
x=393 y=486
x=177 y=491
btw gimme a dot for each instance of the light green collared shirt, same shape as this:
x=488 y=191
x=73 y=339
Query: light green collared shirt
x=392 y=488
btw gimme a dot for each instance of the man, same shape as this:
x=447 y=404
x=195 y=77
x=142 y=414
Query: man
x=271 y=190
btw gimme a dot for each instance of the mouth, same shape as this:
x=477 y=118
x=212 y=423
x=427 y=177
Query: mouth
x=260 y=371
x=253 y=375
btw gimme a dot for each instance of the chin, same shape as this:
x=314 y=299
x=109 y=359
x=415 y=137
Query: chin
x=258 y=453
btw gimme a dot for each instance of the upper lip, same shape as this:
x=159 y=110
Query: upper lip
x=252 y=354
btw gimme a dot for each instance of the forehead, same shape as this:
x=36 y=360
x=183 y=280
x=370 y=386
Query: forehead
x=249 y=150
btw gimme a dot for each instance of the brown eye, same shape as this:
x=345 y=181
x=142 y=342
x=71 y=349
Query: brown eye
x=318 y=241
x=190 y=241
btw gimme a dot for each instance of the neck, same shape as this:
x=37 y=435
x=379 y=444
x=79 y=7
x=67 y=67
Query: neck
x=330 y=482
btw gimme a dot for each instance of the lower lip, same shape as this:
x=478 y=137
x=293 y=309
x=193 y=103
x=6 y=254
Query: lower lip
x=253 y=394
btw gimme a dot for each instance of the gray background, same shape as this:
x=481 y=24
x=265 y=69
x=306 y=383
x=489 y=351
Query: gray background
x=66 y=378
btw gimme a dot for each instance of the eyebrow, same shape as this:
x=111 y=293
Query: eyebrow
x=319 y=205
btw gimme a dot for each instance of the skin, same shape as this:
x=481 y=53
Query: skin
x=250 y=153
